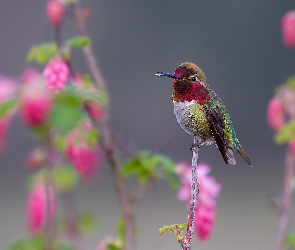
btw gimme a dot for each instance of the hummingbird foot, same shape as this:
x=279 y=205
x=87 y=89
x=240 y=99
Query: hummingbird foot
x=194 y=146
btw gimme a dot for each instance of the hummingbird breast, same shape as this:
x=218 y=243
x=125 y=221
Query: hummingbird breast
x=191 y=117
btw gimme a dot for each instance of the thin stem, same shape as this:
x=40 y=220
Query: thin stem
x=70 y=210
x=140 y=193
x=88 y=52
x=107 y=142
x=285 y=212
x=48 y=225
x=187 y=243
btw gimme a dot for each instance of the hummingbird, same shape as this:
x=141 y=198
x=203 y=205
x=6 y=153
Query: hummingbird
x=201 y=113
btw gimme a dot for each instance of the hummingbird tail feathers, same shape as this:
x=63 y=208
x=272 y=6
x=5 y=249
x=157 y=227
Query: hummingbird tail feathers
x=245 y=157
x=226 y=153
x=230 y=157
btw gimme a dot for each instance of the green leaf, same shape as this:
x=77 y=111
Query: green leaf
x=6 y=106
x=92 y=137
x=290 y=240
x=65 y=178
x=36 y=243
x=98 y=96
x=67 y=111
x=112 y=246
x=131 y=167
x=168 y=170
x=78 y=42
x=86 y=221
x=65 y=116
x=286 y=133
x=148 y=166
x=41 y=53
x=60 y=143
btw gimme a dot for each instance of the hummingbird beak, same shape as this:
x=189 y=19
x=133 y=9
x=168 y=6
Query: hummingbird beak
x=167 y=74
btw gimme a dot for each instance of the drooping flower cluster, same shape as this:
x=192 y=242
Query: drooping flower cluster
x=95 y=110
x=288 y=29
x=82 y=152
x=281 y=111
x=281 y=108
x=56 y=74
x=35 y=100
x=206 y=201
x=37 y=207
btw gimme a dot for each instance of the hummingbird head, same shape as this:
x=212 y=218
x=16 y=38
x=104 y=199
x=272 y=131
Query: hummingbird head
x=186 y=71
x=187 y=80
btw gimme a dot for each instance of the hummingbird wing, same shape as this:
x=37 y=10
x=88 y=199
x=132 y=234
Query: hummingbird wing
x=222 y=129
x=216 y=125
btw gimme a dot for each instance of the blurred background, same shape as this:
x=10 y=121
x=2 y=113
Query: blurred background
x=238 y=46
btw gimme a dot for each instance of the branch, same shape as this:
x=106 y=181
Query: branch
x=286 y=201
x=48 y=225
x=107 y=142
x=88 y=52
x=193 y=201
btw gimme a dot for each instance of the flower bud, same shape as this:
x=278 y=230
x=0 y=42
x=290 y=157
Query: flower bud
x=288 y=29
x=55 y=11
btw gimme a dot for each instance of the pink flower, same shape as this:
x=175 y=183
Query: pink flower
x=36 y=207
x=84 y=156
x=288 y=29
x=206 y=203
x=275 y=114
x=55 y=11
x=184 y=171
x=56 y=74
x=95 y=110
x=36 y=103
x=204 y=221
x=35 y=110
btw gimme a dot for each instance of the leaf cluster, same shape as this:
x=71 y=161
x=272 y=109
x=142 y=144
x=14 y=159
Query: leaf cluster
x=147 y=166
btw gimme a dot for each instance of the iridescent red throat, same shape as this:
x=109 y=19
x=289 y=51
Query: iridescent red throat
x=188 y=91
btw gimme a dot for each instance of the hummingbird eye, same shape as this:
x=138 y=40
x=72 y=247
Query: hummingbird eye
x=193 y=79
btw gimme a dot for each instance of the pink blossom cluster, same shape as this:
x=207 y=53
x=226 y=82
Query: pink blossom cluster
x=288 y=29
x=84 y=155
x=35 y=100
x=281 y=109
x=94 y=109
x=56 y=74
x=206 y=202
x=37 y=203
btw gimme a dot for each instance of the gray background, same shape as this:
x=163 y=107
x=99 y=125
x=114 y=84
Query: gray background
x=236 y=43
